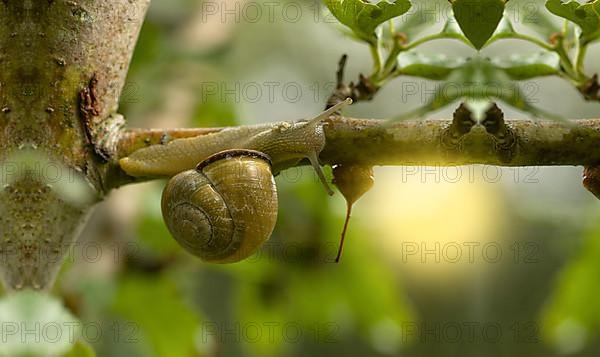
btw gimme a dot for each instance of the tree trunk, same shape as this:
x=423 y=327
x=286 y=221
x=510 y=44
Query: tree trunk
x=63 y=65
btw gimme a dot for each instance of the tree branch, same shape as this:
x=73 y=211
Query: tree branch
x=430 y=142
x=423 y=142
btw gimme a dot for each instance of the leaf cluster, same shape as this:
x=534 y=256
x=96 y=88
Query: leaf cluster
x=392 y=32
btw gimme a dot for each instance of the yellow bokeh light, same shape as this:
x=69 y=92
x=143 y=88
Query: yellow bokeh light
x=436 y=221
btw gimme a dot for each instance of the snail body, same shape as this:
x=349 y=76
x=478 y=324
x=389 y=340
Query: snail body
x=285 y=143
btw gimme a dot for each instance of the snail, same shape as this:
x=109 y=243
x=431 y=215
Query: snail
x=225 y=208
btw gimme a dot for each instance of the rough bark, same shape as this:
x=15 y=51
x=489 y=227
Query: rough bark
x=432 y=142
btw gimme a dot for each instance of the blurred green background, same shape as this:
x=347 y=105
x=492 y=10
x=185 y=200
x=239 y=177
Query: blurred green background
x=468 y=261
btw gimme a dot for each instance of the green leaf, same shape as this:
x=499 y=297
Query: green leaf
x=452 y=30
x=520 y=66
x=478 y=19
x=155 y=313
x=363 y=17
x=431 y=66
x=26 y=315
x=586 y=16
x=479 y=80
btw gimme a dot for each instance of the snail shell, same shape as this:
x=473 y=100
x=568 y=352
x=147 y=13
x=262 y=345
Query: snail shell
x=225 y=209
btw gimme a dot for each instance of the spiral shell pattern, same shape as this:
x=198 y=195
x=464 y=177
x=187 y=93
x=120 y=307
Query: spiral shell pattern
x=225 y=209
